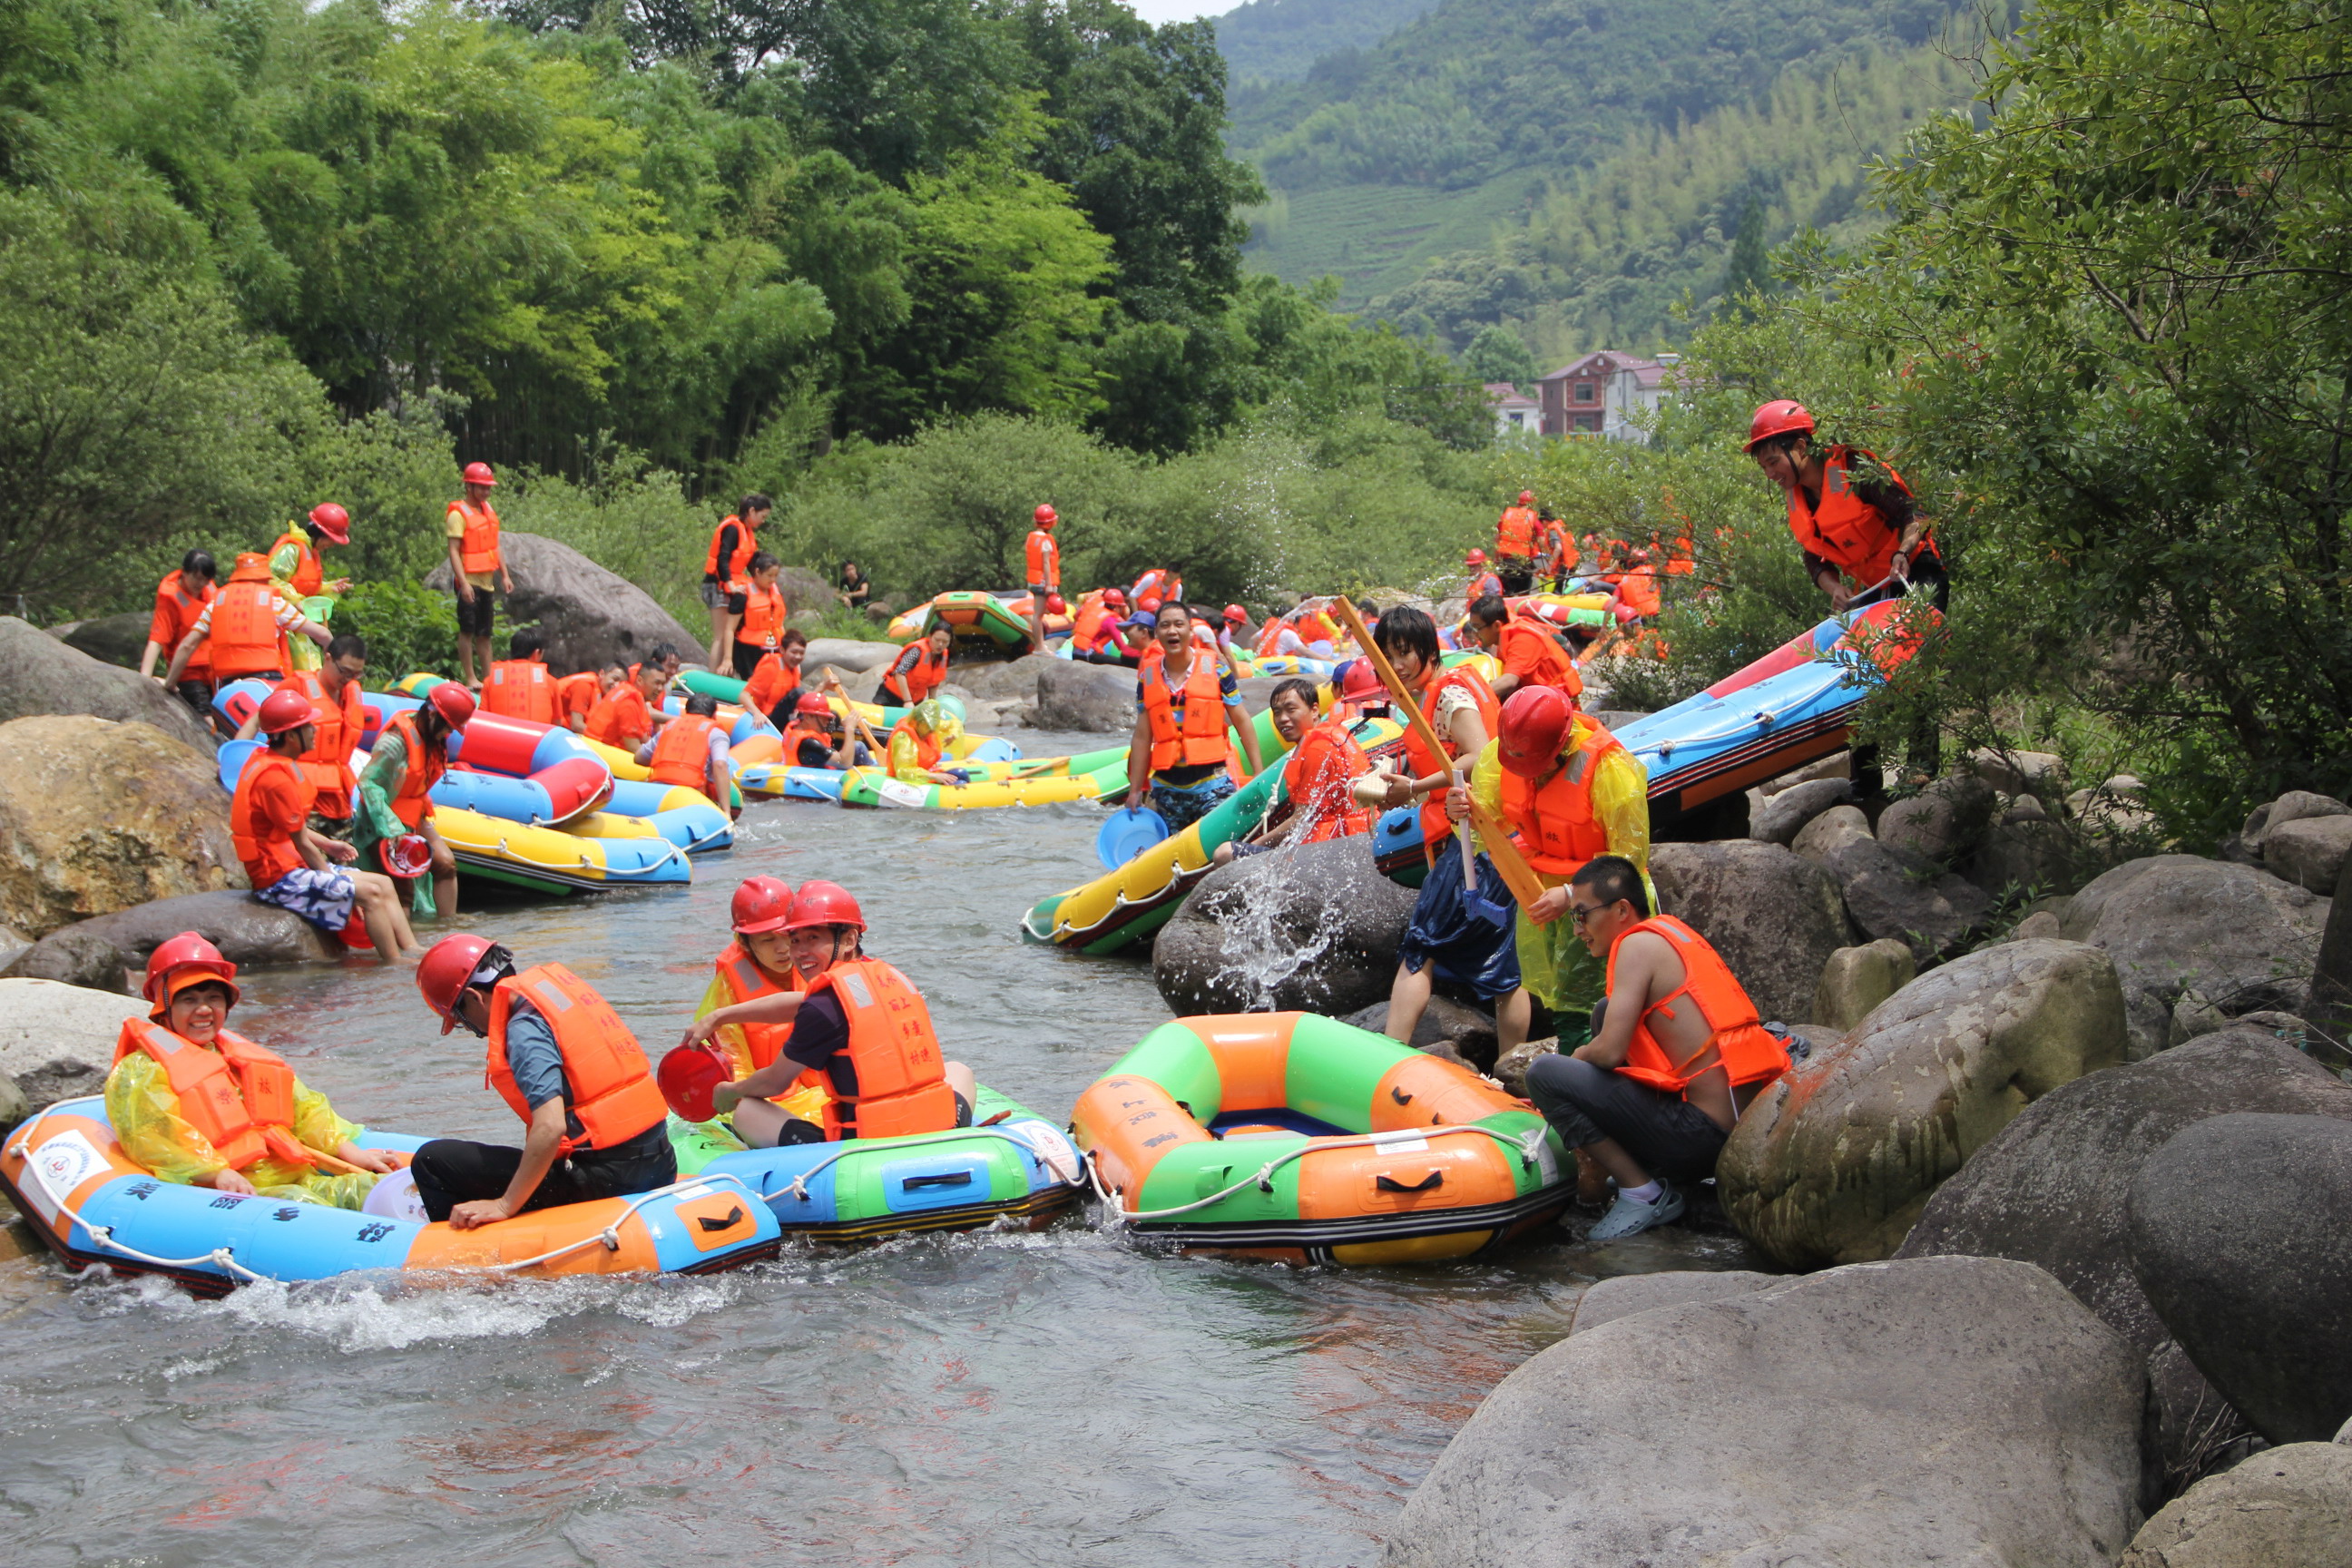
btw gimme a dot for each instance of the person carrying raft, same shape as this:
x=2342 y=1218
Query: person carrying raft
x=594 y=1123
x=858 y=1023
x=193 y=1104
x=691 y=749
x=1185 y=699
x=1528 y=645
x=244 y=629
x=759 y=962
x=920 y=669
x=1325 y=761
x=411 y=755
x=286 y=862
x=1676 y=1054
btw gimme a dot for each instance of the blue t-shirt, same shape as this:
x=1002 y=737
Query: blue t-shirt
x=537 y=1064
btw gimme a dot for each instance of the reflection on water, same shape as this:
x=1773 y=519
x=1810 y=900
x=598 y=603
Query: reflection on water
x=1000 y=1397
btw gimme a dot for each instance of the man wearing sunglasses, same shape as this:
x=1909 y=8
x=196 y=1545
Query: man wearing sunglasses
x=1677 y=1052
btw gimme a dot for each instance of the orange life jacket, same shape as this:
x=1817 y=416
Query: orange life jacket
x=478 y=550
x=747 y=982
x=244 y=639
x=1200 y=738
x=769 y=683
x=1846 y=530
x=1484 y=584
x=1044 y=561
x=747 y=544
x=1638 y=590
x=1525 y=632
x=176 y=615
x=521 y=689
x=306 y=579
x=1089 y=621
x=928 y=751
x=1160 y=583
x=1317 y=775
x=621 y=718
x=763 y=615
x=682 y=752
x=1420 y=764
x=612 y=1085
x=1558 y=830
x=341 y=721
x=795 y=733
x=239 y=1096
x=1564 y=556
x=1514 y=532
x=1746 y=1049
x=902 y=1086
x=577 y=694
x=265 y=860
x=413 y=803
x=929 y=673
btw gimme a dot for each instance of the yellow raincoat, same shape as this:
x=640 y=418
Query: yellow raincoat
x=905 y=762
x=1553 y=963
x=147 y=1123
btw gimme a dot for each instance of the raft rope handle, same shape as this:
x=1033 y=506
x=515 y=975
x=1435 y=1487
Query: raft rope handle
x=1753 y=719
x=798 y=1186
x=219 y=1256
x=610 y=1236
x=1527 y=1146
x=670 y=853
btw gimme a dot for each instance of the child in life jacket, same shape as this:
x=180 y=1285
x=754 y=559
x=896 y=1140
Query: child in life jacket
x=759 y=962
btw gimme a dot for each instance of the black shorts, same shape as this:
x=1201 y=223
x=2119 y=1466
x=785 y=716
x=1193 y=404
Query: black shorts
x=1515 y=580
x=475 y=616
x=453 y=1171
x=747 y=660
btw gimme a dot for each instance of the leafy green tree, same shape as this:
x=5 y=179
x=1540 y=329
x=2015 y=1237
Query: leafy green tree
x=1748 y=273
x=1498 y=353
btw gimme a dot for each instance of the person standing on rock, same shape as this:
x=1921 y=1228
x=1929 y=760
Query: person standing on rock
x=477 y=568
x=1447 y=935
x=1185 y=699
x=1044 y=574
x=1678 y=1053
x=1514 y=544
x=244 y=629
x=289 y=865
x=1852 y=515
x=180 y=598
x=725 y=570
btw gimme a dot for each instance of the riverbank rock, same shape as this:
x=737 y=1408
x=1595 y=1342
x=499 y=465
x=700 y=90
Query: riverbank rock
x=2288 y=1508
x=1459 y=1027
x=40 y=675
x=1896 y=892
x=2294 y=805
x=1833 y=1162
x=1774 y=916
x=96 y=952
x=2309 y=852
x=1940 y=1410
x=111 y=640
x=591 y=616
x=1084 y=697
x=96 y=816
x=1783 y=815
x=1313 y=928
x=1627 y=1294
x=2021 y=773
x=2053 y=1189
x=2240 y=938
x=847 y=656
x=1830 y=832
x=1855 y=980
x=1510 y=1068
x=2241 y=1236
x=1943 y=822
x=1017 y=678
x=57 y=1041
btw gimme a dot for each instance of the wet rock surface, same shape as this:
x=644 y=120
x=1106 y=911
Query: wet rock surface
x=40 y=675
x=2288 y=1508
x=57 y=1041
x=97 y=953
x=591 y=618
x=1313 y=928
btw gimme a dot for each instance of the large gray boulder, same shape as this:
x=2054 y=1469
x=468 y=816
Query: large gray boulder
x=2240 y=1231
x=2310 y=851
x=96 y=952
x=1016 y=679
x=848 y=656
x=1774 y=916
x=1855 y=980
x=2294 y=805
x=1084 y=697
x=1784 y=815
x=2241 y=939
x=2288 y=1508
x=1895 y=891
x=1941 y=1410
x=40 y=675
x=111 y=640
x=1943 y=822
x=1835 y=1160
x=57 y=1041
x=1829 y=831
x=1627 y=1294
x=1312 y=927
x=2051 y=1189
x=591 y=616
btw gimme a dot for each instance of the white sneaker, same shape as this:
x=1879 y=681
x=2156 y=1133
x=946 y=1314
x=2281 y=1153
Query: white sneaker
x=1631 y=1217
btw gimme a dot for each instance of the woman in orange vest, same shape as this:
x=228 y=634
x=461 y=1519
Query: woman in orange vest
x=520 y=686
x=691 y=749
x=245 y=627
x=294 y=557
x=1481 y=581
x=1447 y=934
x=1677 y=1054
x=858 y=1023
x=477 y=568
x=339 y=721
x=1514 y=544
x=1528 y=645
x=397 y=786
x=286 y=863
x=180 y=598
x=594 y=1123
x=759 y=962
x=1862 y=540
x=920 y=669
x=773 y=688
x=1179 y=759
x=1044 y=562
x=760 y=623
x=725 y=569
x=192 y=1103
x=1324 y=762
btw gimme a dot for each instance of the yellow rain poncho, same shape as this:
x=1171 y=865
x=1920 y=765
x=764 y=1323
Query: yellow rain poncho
x=806 y=1101
x=147 y=1123
x=942 y=727
x=1553 y=963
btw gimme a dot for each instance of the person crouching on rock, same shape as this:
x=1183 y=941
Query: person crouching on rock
x=285 y=862
x=1677 y=1052
x=596 y=1125
x=859 y=1024
x=192 y=1103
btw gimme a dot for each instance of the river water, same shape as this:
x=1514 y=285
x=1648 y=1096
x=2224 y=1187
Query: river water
x=1054 y=1398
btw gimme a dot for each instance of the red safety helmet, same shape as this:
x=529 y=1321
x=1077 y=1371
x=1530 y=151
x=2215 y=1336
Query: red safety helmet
x=1475 y=558
x=1362 y=683
x=408 y=857
x=761 y=904
x=1778 y=418
x=284 y=711
x=1148 y=604
x=825 y=904
x=445 y=971
x=1055 y=605
x=453 y=702
x=334 y=521
x=813 y=702
x=1526 y=498
x=188 y=953
x=479 y=474
x=1045 y=518
x=1235 y=613
x=1114 y=599
x=1536 y=724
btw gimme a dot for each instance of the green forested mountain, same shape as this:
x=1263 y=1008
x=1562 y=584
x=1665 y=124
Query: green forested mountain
x=1280 y=41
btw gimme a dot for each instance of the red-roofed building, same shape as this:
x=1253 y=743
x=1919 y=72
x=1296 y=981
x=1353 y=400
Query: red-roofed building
x=1600 y=395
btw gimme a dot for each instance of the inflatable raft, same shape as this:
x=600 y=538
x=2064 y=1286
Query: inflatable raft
x=1301 y=1139
x=1014 y=1165
x=67 y=1174
x=1000 y=618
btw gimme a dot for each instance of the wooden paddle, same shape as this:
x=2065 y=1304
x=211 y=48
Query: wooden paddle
x=1524 y=885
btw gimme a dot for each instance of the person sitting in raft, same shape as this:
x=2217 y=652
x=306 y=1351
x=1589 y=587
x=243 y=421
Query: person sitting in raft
x=180 y=598
x=595 y=1124
x=1444 y=934
x=920 y=669
x=623 y=717
x=814 y=738
x=858 y=1023
x=519 y=685
x=286 y=862
x=193 y=1104
x=918 y=743
x=759 y=628
x=759 y=962
x=1678 y=1053
x=773 y=688
x=1089 y=628
x=244 y=629
x=1528 y=645
x=411 y=755
x=1325 y=761
x=1124 y=642
x=692 y=750
x=1184 y=699
x=338 y=721
x=576 y=696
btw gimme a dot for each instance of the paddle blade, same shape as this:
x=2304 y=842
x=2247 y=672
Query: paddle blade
x=686 y=1076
